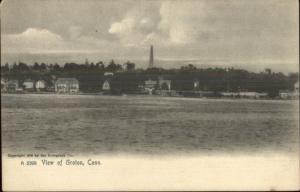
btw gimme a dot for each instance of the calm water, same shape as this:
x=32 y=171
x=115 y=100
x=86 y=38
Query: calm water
x=140 y=124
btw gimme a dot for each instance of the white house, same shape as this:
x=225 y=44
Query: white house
x=3 y=85
x=28 y=84
x=288 y=94
x=108 y=74
x=150 y=86
x=196 y=84
x=40 y=84
x=67 y=85
x=106 y=85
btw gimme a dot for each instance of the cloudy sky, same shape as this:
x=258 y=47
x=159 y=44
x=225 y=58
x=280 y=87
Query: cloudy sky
x=256 y=31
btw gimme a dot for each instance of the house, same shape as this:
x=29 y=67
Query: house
x=28 y=85
x=160 y=84
x=285 y=94
x=12 y=86
x=3 y=85
x=149 y=86
x=106 y=85
x=108 y=74
x=67 y=85
x=288 y=94
x=40 y=85
x=196 y=84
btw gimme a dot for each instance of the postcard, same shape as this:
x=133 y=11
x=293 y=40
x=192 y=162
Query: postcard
x=126 y=95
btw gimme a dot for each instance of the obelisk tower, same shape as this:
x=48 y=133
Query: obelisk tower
x=151 y=60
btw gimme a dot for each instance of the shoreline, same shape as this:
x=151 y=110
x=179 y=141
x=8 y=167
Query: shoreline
x=147 y=95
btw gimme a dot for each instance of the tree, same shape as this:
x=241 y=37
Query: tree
x=86 y=62
x=36 y=66
x=100 y=65
x=92 y=65
x=43 y=67
x=51 y=66
x=5 y=68
x=164 y=86
x=56 y=67
x=15 y=67
x=130 y=66
x=268 y=71
x=22 y=67
x=112 y=62
x=113 y=67
x=189 y=67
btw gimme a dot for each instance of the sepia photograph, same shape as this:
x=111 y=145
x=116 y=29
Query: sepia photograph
x=150 y=95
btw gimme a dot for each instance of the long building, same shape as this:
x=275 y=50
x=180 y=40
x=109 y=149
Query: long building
x=67 y=85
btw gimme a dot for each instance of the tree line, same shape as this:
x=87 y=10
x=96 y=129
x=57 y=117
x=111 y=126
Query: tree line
x=127 y=78
x=22 y=67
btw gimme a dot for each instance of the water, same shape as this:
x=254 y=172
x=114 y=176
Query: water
x=82 y=124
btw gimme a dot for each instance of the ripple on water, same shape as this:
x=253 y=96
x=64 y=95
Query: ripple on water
x=144 y=124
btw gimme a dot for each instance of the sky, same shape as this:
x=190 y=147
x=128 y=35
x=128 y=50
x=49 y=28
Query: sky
x=256 y=32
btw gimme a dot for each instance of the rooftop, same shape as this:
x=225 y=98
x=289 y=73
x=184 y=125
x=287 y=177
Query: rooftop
x=67 y=80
